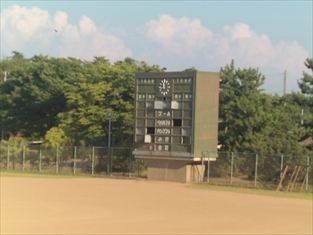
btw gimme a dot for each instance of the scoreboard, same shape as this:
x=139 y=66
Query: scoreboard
x=176 y=115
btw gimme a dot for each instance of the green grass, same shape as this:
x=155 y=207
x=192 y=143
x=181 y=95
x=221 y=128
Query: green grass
x=264 y=192
x=50 y=174
x=6 y=173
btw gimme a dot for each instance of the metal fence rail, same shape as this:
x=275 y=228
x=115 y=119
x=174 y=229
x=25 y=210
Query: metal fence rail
x=94 y=160
x=281 y=172
x=294 y=173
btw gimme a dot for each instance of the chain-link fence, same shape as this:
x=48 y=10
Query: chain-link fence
x=94 y=160
x=280 y=172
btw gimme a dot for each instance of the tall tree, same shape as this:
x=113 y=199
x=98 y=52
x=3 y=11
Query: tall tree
x=252 y=121
x=240 y=106
x=306 y=82
x=102 y=88
x=306 y=86
x=85 y=113
x=33 y=95
x=70 y=94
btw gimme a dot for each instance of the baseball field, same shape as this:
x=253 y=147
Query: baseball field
x=56 y=205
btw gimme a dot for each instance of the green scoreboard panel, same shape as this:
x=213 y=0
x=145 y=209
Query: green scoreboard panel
x=166 y=108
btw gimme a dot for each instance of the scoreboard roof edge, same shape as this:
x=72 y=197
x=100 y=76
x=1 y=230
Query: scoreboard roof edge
x=165 y=74
x=171 y=74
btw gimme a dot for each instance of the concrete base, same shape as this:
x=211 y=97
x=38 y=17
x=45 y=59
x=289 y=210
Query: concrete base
x=175 y=170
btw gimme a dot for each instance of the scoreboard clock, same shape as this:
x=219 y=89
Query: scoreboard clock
x=164 y=87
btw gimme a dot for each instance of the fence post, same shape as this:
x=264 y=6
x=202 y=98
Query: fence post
x=231 y=167
x=57 y=160
x=23 y=159
x=40 y=159
x=74 y=160
x=93 y=161
x=129 y=162
x=108 y=161
x=208 y=170
x=256 y=170
x=111 y=160
x=8 y=157
x=281 y=164
x=202 y=174
x=307 y=173
x=0 y=149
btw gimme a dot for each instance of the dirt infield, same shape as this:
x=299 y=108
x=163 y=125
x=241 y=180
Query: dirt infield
x=107 y=206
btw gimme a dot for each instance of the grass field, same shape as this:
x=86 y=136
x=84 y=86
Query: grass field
x=50 y=204
x=264 y=192
x=5 y=173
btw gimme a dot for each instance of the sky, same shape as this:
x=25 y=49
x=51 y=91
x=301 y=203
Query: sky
x=272 y=36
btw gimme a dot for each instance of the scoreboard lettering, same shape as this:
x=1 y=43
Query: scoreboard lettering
x=163 y=131
x=163 y=122
x=163 y=111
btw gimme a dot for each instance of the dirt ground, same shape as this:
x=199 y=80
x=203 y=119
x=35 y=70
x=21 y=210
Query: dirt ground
x=112 y=206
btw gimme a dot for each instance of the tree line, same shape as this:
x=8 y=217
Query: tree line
x=68 y=101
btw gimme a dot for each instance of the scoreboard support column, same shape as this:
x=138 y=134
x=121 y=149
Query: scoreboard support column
x=175 y=170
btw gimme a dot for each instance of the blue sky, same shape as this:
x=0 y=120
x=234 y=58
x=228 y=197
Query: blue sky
x=270 y=35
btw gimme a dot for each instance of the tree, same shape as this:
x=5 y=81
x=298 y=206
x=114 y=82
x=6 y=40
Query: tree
x=306 y=82
x=240 y=107
x=96 y=91
x=55 y=137
x=252 y=121
x=85 y=113
x=306 y=100
x=282 y=128
x=32 y=97
x=71 y=94
x=34 y=93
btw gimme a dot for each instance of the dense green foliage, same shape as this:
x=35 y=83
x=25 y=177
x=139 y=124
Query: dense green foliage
x=306 y=82
x=43 y=93
x=67 y=101
x=257 y=122
x=306 y=86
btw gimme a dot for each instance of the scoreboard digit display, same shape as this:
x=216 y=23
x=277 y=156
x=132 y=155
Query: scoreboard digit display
x=164 y=112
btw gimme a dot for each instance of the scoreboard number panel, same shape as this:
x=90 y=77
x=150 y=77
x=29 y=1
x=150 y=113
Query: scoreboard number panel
x=163 y=131
x=164 y=110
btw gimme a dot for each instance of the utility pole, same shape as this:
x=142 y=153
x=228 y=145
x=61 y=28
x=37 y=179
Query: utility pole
x=285 y=81
x=5 y=78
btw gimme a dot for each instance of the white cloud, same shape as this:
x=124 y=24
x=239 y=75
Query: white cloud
x=250 y=49
x=60 y=20
x=175 y=43
x=87 y=26
x=181 y=36
x=188 y=42
x=240 y=31
x=26 y=21
x=33 y=30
